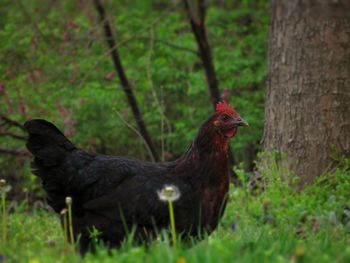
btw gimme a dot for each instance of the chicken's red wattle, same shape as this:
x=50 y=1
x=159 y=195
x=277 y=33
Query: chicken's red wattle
x=231 y=132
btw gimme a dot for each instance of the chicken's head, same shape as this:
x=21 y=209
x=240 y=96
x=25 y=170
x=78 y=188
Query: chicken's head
x=227 y=119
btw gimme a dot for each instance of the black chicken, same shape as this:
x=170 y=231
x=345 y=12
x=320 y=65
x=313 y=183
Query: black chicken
x=117 y=194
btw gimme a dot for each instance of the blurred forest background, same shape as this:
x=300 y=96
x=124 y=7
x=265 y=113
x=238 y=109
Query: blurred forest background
x=147 y=96
x=55 y=64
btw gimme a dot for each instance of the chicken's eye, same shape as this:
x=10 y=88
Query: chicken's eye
x=225 y=118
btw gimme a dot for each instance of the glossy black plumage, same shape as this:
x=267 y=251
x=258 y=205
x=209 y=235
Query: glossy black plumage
x=115 y=194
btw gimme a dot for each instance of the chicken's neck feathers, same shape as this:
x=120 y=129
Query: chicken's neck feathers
x=209 y=141
x=207 y=155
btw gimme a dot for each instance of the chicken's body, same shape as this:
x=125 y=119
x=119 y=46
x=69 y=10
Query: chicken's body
x=117 y=194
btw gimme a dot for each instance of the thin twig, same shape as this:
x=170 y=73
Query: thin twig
x=137 y=132
x=154 y=94
x=150 y=79
x=12 y=122
x=13 y=135
x=21 y=152
x=123 y=42
x=32 y=22
x=173 y=45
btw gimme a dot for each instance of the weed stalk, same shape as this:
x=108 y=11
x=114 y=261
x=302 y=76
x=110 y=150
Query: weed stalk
x=65 y=228
x=3 y=205
x=172 y=221
x=70 y=221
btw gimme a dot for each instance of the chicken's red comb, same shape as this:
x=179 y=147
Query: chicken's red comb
x=224 y=107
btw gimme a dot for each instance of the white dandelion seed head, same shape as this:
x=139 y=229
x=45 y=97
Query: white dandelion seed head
x=2 y=182
x=169 y=193
x=69 y=200
x=3 y=187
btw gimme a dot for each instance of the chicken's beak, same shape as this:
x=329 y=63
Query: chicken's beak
x=239 y=122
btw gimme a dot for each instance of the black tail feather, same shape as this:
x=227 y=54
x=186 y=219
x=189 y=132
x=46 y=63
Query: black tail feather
x=50 y=148
x=47 y=143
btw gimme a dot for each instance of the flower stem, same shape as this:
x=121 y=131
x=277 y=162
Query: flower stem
x=65 y=227
x=70 y=222
x=172 y=222
x=4 y=216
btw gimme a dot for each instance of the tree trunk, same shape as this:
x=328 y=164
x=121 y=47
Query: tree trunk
x=308 y=97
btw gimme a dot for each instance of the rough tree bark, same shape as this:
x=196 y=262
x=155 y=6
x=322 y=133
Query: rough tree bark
x=196 y=10
x=308 y=97
x=125 y=84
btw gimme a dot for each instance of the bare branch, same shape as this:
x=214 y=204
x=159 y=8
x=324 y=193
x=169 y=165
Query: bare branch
x=29 y=17
x=176 y=46
x=196 y=15
x=137 y=132
x=160 y=104
x=125 y=84
x=21 y=152
x=164 y=13
x=10 y=122
x=172 y=45
x=196 y=11
x=13 y=135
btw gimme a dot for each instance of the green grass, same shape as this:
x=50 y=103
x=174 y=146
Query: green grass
x=276 y=225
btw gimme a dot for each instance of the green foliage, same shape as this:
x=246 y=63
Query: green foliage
x=54 y=64
x=278 y=224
